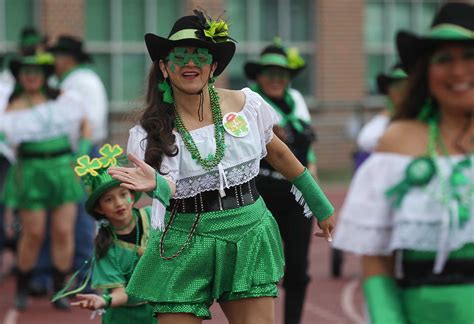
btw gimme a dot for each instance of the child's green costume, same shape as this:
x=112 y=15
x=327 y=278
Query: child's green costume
x=115 y=268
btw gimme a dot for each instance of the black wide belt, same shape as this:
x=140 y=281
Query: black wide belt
x=420 y=273
x=43 y=155
x=207 y=201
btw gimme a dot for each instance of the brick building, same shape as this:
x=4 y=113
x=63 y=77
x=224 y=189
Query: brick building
x=345 y=43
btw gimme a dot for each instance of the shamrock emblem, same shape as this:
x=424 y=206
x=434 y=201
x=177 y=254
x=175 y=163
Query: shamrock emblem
x=86 y=165
x=109 y=154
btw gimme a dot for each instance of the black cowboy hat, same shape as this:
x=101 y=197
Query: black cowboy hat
x=385 y=80
x=454 y=22
x=72 y=46
x=43 y=60
x=277 y=56
x=194 y=31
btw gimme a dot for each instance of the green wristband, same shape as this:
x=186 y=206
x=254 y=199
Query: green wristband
x=108 y=300
x=382 y=296
x=313 y=196
x=162 y=191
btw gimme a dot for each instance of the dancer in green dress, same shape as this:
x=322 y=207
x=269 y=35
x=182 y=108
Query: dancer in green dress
x=202 y=147
x=42 y=177
x=410 y=208
x=121 y=240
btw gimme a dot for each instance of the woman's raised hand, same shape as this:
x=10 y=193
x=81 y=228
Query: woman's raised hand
x=142 y=177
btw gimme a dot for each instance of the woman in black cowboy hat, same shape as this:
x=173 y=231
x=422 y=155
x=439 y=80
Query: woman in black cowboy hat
x=410 y=210
x=276 y=67
x=40 y=123
x=220 y=242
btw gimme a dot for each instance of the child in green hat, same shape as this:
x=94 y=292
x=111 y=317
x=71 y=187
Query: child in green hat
x=122 y=237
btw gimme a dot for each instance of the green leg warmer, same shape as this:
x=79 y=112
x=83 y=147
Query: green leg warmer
x=382 y=296
x=308 y=193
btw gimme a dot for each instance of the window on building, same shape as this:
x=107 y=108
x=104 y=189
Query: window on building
x=254 y=24
x=14 y=16
x=114 y=32
x=383 y=18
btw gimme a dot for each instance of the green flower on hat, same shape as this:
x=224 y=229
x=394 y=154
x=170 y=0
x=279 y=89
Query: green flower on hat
x=295 y=61
x=217 y=30
x=109 y=154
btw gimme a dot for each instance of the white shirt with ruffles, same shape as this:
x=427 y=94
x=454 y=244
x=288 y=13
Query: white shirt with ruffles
x=369 y=225
x=240 y=163
x=47 y=120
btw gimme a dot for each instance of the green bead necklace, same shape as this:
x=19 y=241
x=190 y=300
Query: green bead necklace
x=135 y=254
x=452 y=184
x=421 y=170
x=212 y=160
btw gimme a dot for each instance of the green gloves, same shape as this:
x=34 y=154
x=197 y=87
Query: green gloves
x=162 y=191
x=308 y=193
x=382 y=296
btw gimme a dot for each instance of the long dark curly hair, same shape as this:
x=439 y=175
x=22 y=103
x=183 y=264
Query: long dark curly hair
x=157 y=119
x=417 y=92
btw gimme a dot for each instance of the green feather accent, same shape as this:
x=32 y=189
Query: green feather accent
x=167 y=92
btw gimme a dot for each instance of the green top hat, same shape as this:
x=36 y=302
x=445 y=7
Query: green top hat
x=95 y=177
x=453 y=23
x=277 y=56
x=199 y=31
x=43 y=60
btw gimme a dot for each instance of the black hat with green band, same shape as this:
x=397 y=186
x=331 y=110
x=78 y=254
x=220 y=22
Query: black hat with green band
x=454 y=23
x=95 y=177
x=275 y=56
x=385 y=80
x=42 y=60
x=198 y=31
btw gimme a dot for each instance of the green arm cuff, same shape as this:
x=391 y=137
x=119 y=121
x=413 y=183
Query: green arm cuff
x=162 y=191
x=311 y=156
x=310 y=195
x=382 y=296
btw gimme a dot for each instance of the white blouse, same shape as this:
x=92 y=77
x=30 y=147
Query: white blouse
x=240 y=163
x=50 y=119
x=369 y=225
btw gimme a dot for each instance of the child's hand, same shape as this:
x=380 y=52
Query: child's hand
x=89 y=301
x=140 y=178
x=327 y=227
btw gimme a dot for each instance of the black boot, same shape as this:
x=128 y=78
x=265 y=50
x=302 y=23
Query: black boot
x=58 y=283
x=22 y=282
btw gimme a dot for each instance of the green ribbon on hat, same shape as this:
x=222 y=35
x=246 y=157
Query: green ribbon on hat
x=398 y=74
x=274 y=59
x=184 y=34
x=450 y=32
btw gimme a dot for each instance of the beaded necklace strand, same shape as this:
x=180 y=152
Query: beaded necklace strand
x=212 y=160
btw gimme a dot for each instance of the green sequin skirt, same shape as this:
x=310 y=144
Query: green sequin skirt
x=42 y=183
x=452 y=304
x=233 y=254
x=141 y=314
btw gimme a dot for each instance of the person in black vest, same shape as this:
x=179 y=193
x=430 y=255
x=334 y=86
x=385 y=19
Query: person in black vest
x=272 y=74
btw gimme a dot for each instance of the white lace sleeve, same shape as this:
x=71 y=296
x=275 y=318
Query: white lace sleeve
x=266 y=118
x=137 y=142
x=366 y=222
